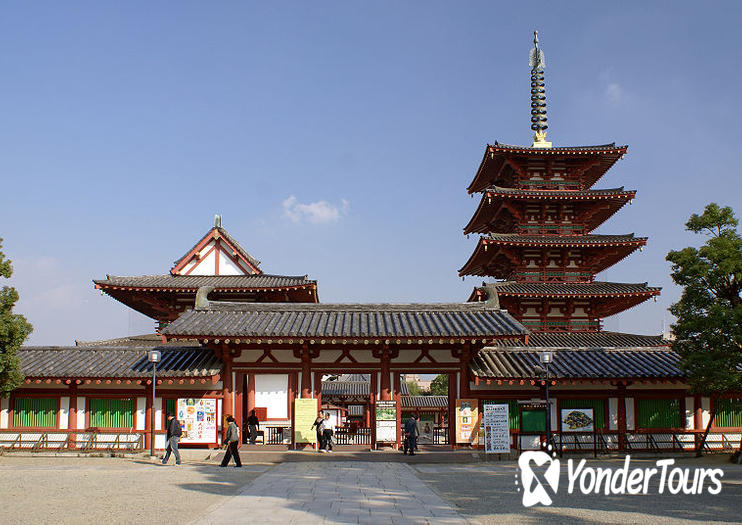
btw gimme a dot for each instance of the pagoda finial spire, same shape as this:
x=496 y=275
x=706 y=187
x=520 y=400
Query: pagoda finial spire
x=537 y=61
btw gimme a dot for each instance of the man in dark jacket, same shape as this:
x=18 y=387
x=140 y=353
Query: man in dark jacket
x=174 y=431
x=231 y=443
x=411 y=431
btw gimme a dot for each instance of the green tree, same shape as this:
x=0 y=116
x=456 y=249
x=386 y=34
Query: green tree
x=14 y=330
x=708 y=330
x=414 y=388
x=439 y=385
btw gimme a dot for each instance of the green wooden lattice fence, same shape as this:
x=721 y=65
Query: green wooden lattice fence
x=658 y=413
x=728 y=412
x=35 y=412
x=112 y=413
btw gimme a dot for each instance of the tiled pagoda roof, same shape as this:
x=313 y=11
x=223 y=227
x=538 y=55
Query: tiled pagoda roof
x=231 y=240
x=192 y=283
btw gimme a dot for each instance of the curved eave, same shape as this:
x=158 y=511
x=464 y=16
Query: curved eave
x=493 y=160
x=646 y=294
x=253 y=289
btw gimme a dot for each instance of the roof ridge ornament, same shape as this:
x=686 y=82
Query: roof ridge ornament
x=217 y=221
x=537 y=62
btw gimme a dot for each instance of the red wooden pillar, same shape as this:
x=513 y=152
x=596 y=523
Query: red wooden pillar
x=72 y=420
x=697 y=413
x=452 y=410
x=367 y=421
x=148 y=418
x=386 y=394
x=372 y=408
x=293 y=380
x=621 y=416
x=398 y=399
x=317 y=392
x=306 y=373
x=250 y=393
x=464 y=372
x=226 y=389
x=239 y=389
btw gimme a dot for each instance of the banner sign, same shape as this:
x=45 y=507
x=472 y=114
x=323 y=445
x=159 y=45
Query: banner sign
x=467 y=421
x=496 y=429
x=197 y=417
x=386 y=421
x=577 y=420
x=305 y=414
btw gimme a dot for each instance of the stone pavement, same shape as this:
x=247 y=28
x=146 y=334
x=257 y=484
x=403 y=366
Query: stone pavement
x=335 y=492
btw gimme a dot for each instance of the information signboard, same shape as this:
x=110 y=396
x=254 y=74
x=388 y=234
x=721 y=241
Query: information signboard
x=305 y=414
x=467 y=421
x=496 y=429
x=197 y=417
x=386 y=421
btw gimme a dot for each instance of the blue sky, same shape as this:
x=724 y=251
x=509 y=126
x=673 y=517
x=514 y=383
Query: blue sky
x=337 y=138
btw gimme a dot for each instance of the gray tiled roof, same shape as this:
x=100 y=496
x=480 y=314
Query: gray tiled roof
x=597 y=148
x=578 y=363
x=224 y=233
x=424 y=401
x=562 y=240
x=133 y=341
x=353 y=388
x=114 y=362
x=597 y=288
x=517 y=192
x=193 y=282
x=589 y=340
x=274 y=320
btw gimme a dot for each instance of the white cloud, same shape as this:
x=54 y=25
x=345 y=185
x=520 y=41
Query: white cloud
x=614 y=93
x=319 y=212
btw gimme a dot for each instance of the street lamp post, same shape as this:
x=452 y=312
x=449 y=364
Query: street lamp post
x=546 y=357
x=153 y=356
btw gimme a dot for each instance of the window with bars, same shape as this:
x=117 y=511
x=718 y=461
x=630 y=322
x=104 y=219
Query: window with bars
x=112 y=413
x=658 y=413
x=35 y=412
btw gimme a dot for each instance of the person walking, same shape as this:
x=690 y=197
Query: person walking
x=253 y=425
x=411 y=431
x=318 y=425
x=174 y=431
x=231 y=443
x=328 y=429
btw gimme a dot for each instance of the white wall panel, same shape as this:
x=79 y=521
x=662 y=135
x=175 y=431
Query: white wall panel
x=158 y=413
x=4 y=412
x=64 y=412
x=689 y=413
x=706 y=406
x=630 y=422
x=141 y=413
x=81 y=413
x=613 y=413
x=271 y=391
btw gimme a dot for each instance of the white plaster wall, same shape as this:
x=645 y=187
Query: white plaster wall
x=706 y=406
x=81 y=413
x=158 y=413
x=553 y=412
x=141 y=413
x=206 y=266
x=219 y=420
x=285 y=356
x=613 y=413
x=64 y=412
x=327 y=356
x=271 y=391
x=689 y=413
x=234 y=382
x=442 y=356
x=4 y=412
x=630 y=419
x=227 y=267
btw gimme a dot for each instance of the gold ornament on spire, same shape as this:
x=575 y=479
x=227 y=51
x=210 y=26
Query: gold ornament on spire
x=537 y=61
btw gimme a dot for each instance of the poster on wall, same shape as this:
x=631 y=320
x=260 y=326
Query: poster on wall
x=467 y=421
x=305 y=413
x=386 y=421
x=577 y=420
x=495 y=419
x=198 y=419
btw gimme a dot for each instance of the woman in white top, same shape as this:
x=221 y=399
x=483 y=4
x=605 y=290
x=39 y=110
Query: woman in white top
x=328 y=429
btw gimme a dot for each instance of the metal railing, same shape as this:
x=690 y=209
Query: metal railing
x=70 y=440
x=352 y=436
x=440 y=435
x=601 y=442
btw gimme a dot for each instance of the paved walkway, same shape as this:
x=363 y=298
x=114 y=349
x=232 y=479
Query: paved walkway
x=336 y=492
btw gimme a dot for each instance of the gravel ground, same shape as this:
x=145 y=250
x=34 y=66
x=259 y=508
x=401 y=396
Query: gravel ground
x=487 y=493
x=67 y=490
x=113 y=490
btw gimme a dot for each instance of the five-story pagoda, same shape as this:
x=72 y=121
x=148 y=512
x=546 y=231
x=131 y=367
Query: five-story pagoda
x=536 y=217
